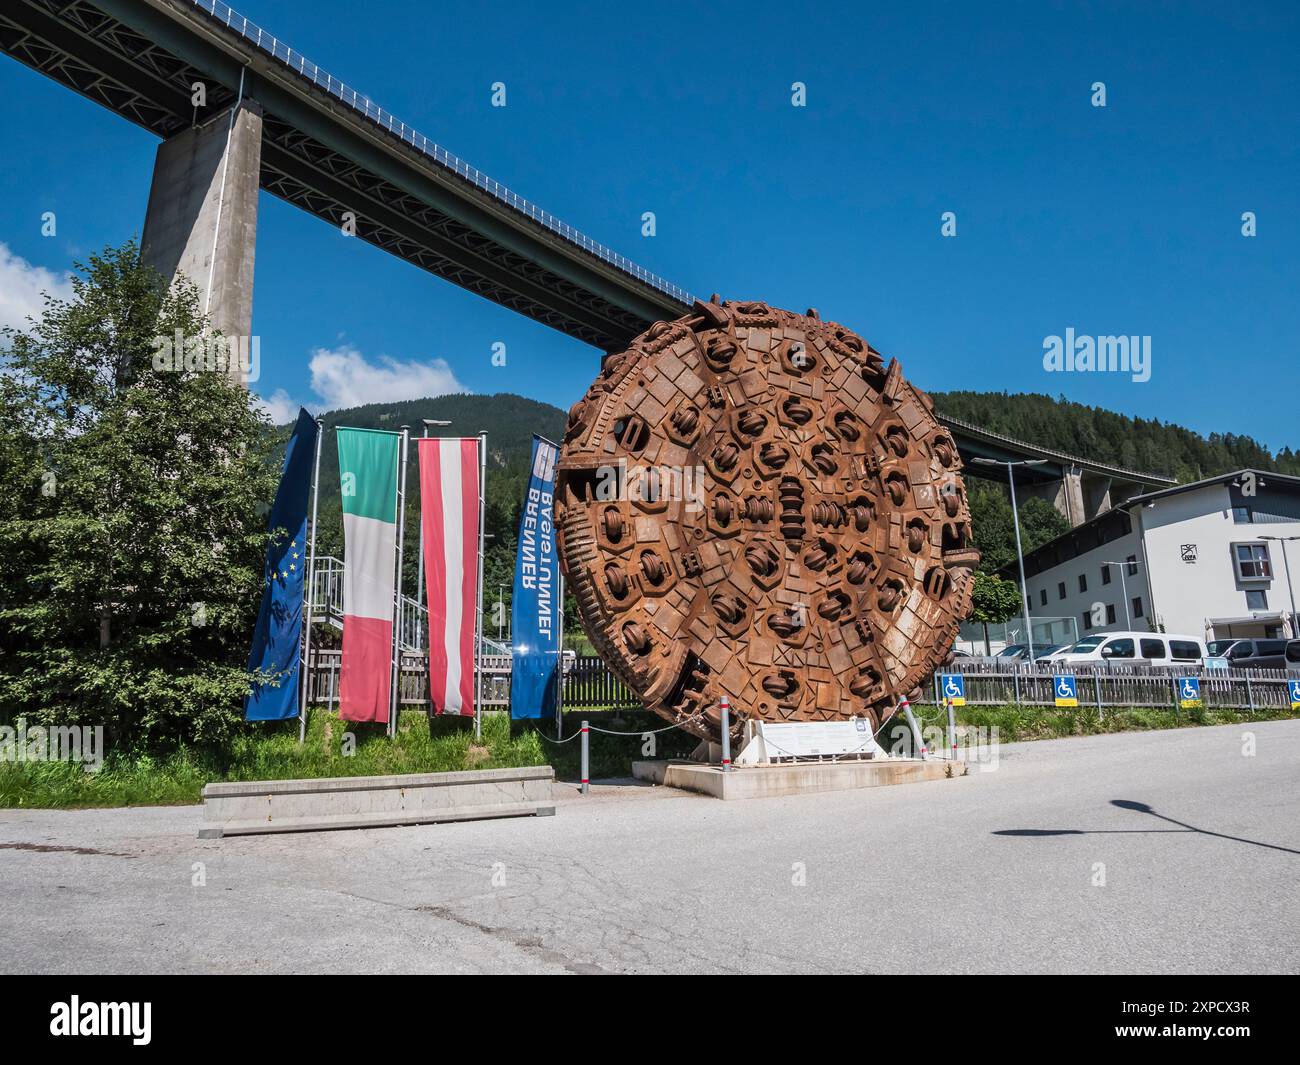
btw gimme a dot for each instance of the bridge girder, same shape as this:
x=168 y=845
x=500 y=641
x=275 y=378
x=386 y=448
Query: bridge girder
x=139 y=59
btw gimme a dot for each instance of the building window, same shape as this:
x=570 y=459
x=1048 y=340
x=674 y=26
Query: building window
x=1087 y=619
x=1137 y=606
x=1256 y=599
x=1042 y=597
x=1060 y=589
x=1132 y=565
x=1252 y=562
x=1105 y=574
x=1110 y=613
x=1243 y=515
x=1083 y=582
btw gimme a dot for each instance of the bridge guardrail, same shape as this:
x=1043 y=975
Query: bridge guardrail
x=296 y=61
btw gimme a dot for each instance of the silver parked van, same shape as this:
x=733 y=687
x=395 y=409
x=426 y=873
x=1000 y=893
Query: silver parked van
x=1135 y=648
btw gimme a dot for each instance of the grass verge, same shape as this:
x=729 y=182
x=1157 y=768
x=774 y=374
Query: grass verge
x=271 y=751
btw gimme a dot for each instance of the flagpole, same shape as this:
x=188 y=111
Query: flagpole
x=478 y=597
x=559 y=675
x=304 y=674
x=394 y=694
x=419 y=568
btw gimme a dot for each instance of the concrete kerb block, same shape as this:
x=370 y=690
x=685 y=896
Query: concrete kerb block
x=264 y=806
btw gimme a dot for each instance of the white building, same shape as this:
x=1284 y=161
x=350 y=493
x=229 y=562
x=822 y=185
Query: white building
x=1203 y=559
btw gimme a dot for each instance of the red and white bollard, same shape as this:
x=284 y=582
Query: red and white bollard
x=586 y=771
x=724 y=705
x=916 y=729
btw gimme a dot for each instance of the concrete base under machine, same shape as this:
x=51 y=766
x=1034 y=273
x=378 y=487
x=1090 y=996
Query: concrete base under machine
x=767 y=781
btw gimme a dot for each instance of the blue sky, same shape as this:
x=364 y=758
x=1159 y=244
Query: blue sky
x=1117 y=220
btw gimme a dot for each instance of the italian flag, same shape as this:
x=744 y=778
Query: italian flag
x=449 y=489
x=368 y=485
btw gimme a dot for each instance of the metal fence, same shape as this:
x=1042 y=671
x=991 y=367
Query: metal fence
x=588 y=682
x=1030 y=683
x=412 y=681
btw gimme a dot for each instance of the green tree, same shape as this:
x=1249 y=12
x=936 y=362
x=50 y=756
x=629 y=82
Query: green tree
x=133 y=529
x=1040 y=522
x=993 y=602
x=991 y=525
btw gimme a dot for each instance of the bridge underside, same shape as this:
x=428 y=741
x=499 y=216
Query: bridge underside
x=1080 y=489
x=141 y=58
x=329 y=154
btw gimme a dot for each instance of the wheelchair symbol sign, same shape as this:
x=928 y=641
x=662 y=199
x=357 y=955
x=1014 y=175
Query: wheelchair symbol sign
x=952 y=688
x=1189 y=692
x=1294 y=686
x=1067 y=690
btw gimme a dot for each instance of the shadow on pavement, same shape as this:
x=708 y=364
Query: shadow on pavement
x=1138 y=807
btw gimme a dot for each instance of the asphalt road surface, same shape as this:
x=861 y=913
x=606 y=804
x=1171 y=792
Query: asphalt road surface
x=1140 y=852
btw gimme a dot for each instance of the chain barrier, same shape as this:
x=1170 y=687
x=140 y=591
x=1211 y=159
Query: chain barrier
x=648 y=732
x=566 y=739
x=614 y=732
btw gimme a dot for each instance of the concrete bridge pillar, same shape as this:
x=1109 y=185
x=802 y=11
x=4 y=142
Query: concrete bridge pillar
x=1096 y=492
x=1080 y=496
x=202 y=217
x=1066 y=495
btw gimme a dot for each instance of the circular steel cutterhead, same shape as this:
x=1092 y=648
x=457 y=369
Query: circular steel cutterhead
x=750 y=503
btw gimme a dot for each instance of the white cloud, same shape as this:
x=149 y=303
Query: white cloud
x=21 y=285
x=279 y=406
x=343 y=377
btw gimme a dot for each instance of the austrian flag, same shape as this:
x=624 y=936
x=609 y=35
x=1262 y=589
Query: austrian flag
x=368 y=488
x=449 y=504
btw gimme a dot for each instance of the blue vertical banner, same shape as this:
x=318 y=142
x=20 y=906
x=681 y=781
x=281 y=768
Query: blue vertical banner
x=278 y=637
x=535 y=607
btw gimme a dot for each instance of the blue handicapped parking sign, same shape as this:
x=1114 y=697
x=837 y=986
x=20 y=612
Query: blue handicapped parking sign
x=952 y=688
x=1189 y=692
x=1067 y=690
x=1294 y=687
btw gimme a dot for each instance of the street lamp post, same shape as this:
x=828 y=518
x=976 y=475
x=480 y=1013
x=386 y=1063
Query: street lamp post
x=1290 y=588
x=419 y=563
x=1020 y=555
x=1123 y=584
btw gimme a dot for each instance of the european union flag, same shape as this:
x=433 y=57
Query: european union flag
x=278 y=637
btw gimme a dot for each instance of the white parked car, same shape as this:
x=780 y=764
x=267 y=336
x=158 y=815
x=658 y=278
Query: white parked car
x=1135 y=649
